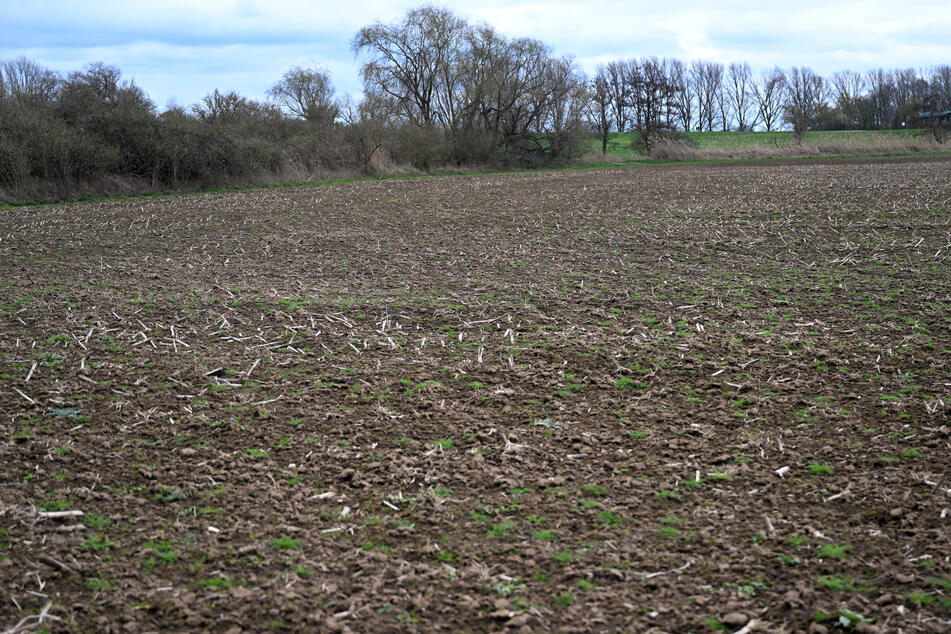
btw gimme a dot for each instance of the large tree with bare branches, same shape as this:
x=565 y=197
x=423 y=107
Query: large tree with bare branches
x=739 y=92
x=307 y=93
x=768 y=93
x=414 y=64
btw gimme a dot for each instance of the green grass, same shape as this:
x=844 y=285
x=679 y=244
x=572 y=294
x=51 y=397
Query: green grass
x=834 y=551
x=619 y=143
x=285 y=543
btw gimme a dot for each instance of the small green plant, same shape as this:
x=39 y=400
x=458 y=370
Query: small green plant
x=593 y=490
x=834 y=551
x=714 y=624
x=610 y=518
x=162 y=552
x=168 y=494
x=256 y=453
x=937 y=582
x=100 y=585
x=846 y=619
x=285 y=543
x=844 y=583
x=54 y=505
x=817 y=469
x=98 y=541
x=445 y=556
x=478 y=516
x=216 y=582
x=564 y=598
x=749 y=587
x=544 y=534
x=501 y=529
x=509 y=587
x=95 y=521
x=445 y=443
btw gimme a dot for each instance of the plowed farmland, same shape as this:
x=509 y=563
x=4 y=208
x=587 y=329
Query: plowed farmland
x=674 y=398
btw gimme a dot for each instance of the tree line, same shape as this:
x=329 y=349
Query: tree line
x=438 y=91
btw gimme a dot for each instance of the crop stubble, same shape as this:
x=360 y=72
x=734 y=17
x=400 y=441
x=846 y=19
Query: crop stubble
x=675 y=398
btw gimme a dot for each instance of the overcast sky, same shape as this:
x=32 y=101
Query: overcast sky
x=177 y=51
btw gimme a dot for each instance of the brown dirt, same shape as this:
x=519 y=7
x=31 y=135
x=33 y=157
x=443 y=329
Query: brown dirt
x=674 y=398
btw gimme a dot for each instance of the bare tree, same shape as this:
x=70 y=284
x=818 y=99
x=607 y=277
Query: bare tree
x=307 y=93
x=28 y=82
x=881 y=93
x=739 y=92
x=600 y=111
x=911 y=91
x=940 y=81
x=648 y=83
x=849 y=87
x=229 y=108
x=708 y=81
x=682 y=87
x=568 y=97
x=414 y=64
x=805 y=99
x=768 y=93
x=696 y=80
x=617 y=74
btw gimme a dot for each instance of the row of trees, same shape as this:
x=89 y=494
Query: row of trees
x=437 y=91
x=651 y=95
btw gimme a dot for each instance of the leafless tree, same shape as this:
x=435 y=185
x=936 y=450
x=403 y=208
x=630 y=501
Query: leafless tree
x=231 y=108
x=648 y=81
x=307 y=93
x=617 y=74
x=849 y=87
x=805 y=99
x=708 y=82
x=600 y=111
x=881 y=95
x=514 y=96
x=28 y=82
x=682 y=87
x=911 y=92
x=739 y=92
x=414 y=64
x=940 y=81
x=768 y=93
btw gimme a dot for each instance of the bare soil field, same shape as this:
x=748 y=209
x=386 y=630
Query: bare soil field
x=675 y=398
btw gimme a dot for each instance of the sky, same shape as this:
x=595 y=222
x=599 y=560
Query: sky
x=178 y=51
